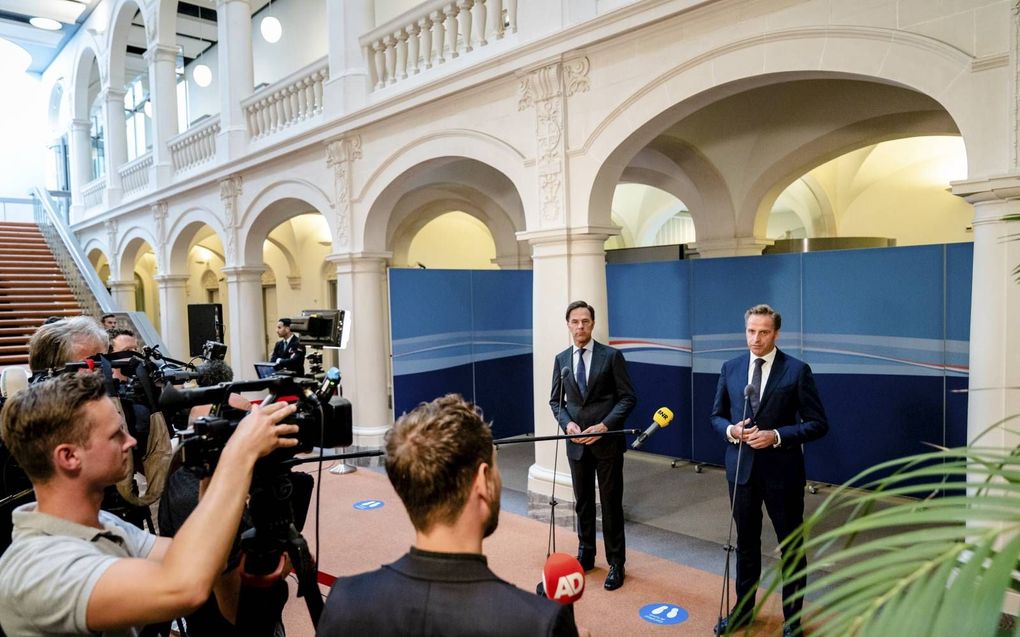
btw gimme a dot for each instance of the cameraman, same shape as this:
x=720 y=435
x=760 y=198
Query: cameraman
x=72 y=567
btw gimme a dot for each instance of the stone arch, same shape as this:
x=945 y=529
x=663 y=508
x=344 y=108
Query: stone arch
x=935 y=70
x=182 y=233
x=752 y=215
x=164 y=23
x=275 y=204
x=129 y=247
x=80 y=76
x=120 y=25
x=391 y=179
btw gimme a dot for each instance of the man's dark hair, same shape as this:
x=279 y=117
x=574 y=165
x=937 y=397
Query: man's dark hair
x=106 y=316
x=576 y=304
x=214 y=372
x=38 y=418
x=764 y=310
x=432 y=456
x=285 y=321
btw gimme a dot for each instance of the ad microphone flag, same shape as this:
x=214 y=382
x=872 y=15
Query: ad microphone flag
x=563 y=578
x=663 y=416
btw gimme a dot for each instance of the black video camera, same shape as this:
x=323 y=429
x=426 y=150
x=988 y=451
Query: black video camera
x=323 y=420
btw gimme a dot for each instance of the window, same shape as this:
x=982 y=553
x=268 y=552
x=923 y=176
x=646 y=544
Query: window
x=137 y=117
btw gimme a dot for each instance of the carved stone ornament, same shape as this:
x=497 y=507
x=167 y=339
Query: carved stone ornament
x=230 y=190
x=340 y=154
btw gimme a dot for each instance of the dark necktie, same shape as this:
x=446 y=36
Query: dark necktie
x=756 y=383
x=582 y=375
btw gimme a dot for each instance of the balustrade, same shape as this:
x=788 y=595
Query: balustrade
x=293 y=99
x=134 y=175
x=194 y=146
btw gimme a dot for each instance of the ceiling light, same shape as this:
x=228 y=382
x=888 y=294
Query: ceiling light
x=202 y=75
x=271 y=29
x=45 y=23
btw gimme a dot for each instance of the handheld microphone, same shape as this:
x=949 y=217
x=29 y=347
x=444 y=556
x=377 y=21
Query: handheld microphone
x=329 y=384
x=564 y=373
x=563 y=578
x=749 y=391
x=663 y=416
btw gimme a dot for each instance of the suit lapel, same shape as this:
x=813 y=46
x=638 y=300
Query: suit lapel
x=775 y=376
x=598 y=364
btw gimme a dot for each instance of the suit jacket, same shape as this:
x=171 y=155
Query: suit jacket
x=609 y=400
x=426 y=593
x=789 y=404
x=289 y=354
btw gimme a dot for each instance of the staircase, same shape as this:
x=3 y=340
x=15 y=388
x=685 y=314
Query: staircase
x=32 y=288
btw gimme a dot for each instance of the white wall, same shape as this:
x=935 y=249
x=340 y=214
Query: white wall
x=23 y=125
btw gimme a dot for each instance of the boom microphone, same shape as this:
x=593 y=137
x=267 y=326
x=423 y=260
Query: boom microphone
x=663 y=416
x=563 y=578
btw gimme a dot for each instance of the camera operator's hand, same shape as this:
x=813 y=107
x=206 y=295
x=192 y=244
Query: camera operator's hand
x=178 y=575
x=260 y=432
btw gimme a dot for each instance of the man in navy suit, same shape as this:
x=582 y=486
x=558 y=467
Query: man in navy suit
x=594 y=395
x=289 y=352
x=783 y=413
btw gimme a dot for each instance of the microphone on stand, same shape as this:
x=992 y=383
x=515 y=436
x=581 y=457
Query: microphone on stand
x=562 y=578
x=663 y=416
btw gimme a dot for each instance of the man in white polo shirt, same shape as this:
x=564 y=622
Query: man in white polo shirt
x=73 y=569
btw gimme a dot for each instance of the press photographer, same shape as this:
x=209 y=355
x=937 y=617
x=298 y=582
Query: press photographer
x=71 y=566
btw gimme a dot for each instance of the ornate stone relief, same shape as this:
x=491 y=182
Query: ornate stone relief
x=546 y=89
x=340 y=155
x=230 y=190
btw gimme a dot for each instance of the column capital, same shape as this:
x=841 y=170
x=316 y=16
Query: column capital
x=1003 y=187
x=110 y=94
x=172 y=279
x=243 y=272
x=359 y=261
x=122 y=284
x=160 y=53
x=563 y=235
x=81 y=124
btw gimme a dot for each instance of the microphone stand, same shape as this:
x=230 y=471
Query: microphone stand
x=550 y=546
x=724 y=598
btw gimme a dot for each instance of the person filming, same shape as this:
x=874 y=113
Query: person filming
x=73 y=569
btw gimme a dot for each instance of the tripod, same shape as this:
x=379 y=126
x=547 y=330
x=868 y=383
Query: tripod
x=273 y=535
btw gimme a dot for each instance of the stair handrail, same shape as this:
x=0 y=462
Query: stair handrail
x=85 y=284
x=88 y=290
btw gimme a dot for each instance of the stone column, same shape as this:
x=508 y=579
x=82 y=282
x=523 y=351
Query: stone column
x=568 y=265
x=361 y=285
x=245 y=333
x=163 y=96
x=116 y=143
x=123 y=293
x=80 y=155
x=995 y=308
x=173 y=300
x=349 y=79
x=236 y=74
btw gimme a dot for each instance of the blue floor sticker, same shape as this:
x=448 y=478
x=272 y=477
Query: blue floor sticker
x=368 y=505
x=662 y=613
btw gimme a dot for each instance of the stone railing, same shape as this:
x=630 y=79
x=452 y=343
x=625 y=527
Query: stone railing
x=434 y=33
x=134 y=175
x=194 y=146
x=92 y=192
x=295 y=98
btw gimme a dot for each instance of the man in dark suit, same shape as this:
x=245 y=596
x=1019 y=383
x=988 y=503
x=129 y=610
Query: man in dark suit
x=764 y=460
x=441 y=462
x=594 y=395
x=288 y=353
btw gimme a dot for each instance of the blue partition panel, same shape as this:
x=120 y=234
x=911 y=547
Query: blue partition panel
x=467 y=332
x=649 y=318
x=885 y=331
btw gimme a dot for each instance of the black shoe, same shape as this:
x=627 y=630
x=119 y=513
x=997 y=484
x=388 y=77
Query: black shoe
x=587 y=561
x=732 y=623
x=615 y=578
x=792 y=630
